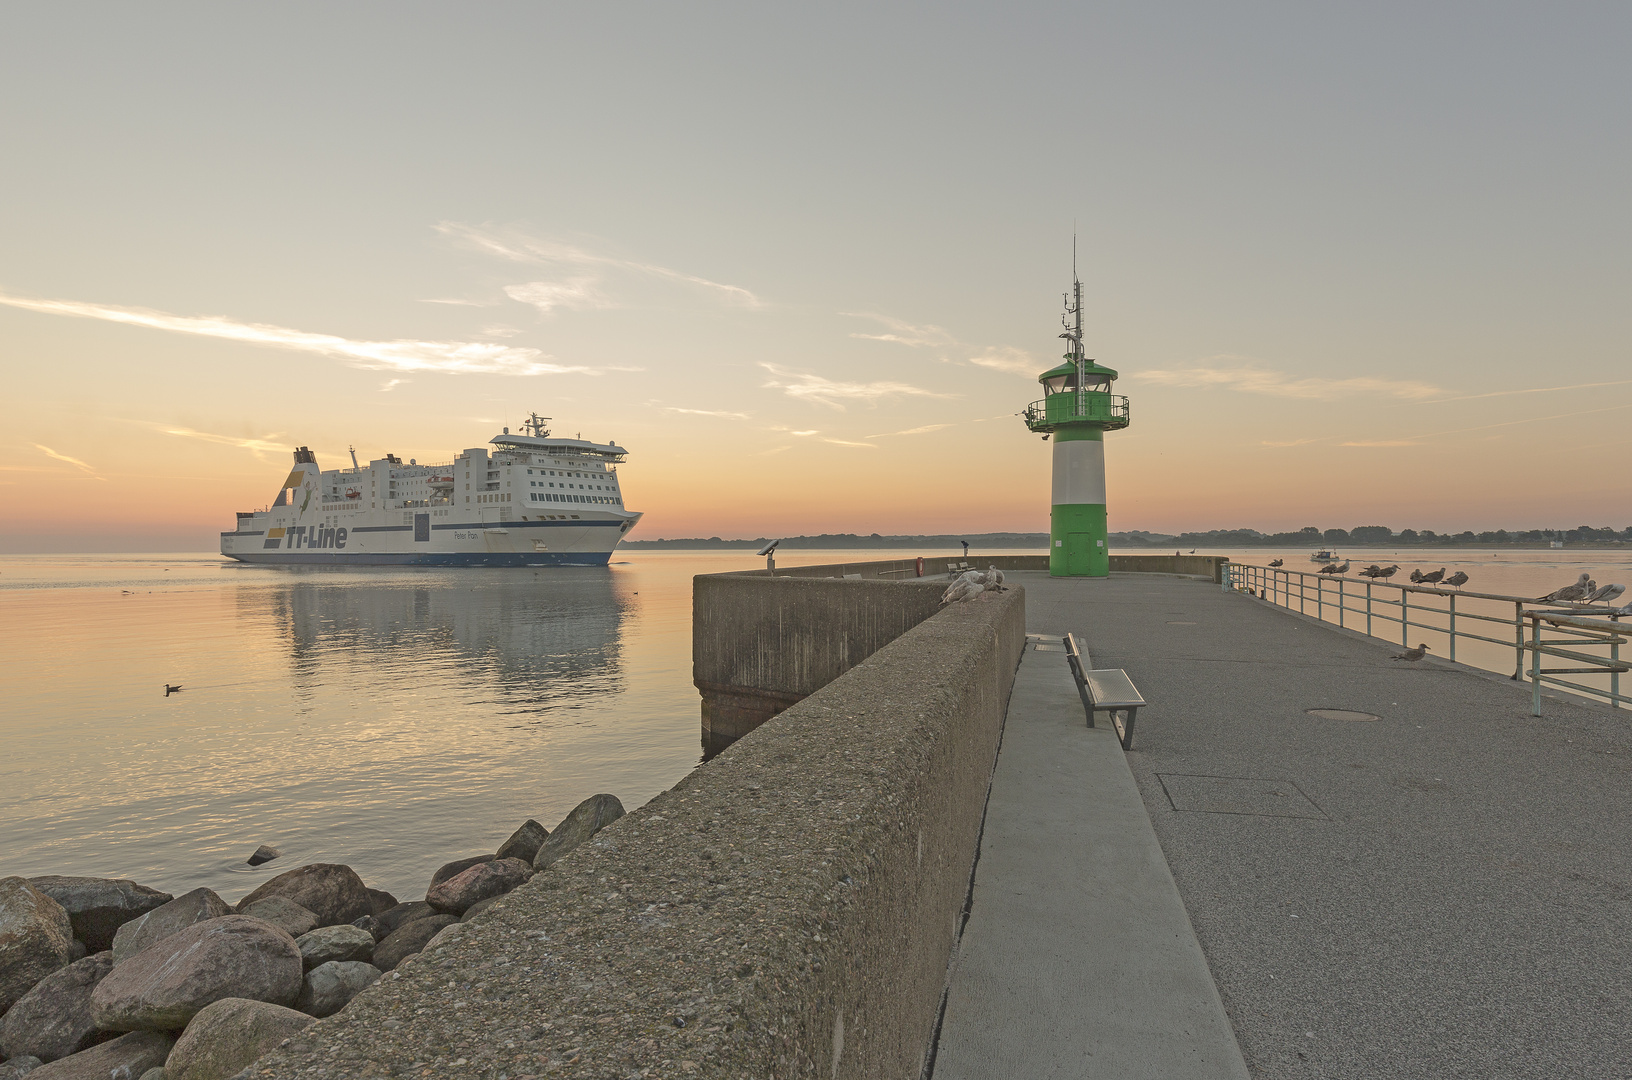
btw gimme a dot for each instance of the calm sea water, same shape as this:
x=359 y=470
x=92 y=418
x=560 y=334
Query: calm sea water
x=392 y=719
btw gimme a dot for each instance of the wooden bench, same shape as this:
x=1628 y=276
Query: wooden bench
x=1107 y=690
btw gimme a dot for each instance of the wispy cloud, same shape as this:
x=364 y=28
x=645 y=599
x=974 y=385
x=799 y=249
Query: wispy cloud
x=458 y=302
x=833 y=393
x=901 y=332
x=1008 y=358
x=75 y=462
x=1250 y=378
x=846 y=442
x=259 y=447
x=706 y=412
x=576 y=293
x=925 y=430
x=515 y=246
x=1530 y=390
x=441 y=357
x=773 y=450
x=1289 y=442
x=1381 y=442
x=391 y=384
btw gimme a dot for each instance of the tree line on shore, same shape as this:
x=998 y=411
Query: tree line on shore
x=1215 y=538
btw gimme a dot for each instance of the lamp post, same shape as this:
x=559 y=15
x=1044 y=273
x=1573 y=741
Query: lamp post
x=1076 y=410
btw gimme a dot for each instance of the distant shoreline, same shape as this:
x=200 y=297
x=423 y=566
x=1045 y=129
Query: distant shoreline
x=1039 y=542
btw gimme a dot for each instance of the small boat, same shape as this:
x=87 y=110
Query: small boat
x=1324 y=556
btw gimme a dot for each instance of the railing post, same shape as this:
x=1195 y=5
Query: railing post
x=1368 y=609
x=1535 y=665
x=1453 y=628
x=1614 y=673
x=1405 y=617
x=1518 y=639
x=1342 y=602
x=1320 y=599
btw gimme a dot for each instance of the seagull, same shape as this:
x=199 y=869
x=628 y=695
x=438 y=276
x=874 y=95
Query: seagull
x=1433 y=578
x=1370 y=571
x=1342 y=569
x=1278 y=562
x=1458 y=579
x=1387 y=572
x=1329 y=568
x=1616 y=614
x=1606 y=594
x=1568 y=594
x=168 y=689
x=962 y=589
x=994 y=577
x=1416 y=577
x=1412 y=655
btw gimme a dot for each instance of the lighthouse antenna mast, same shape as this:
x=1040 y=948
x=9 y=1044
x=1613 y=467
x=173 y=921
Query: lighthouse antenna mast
x=1072 y=321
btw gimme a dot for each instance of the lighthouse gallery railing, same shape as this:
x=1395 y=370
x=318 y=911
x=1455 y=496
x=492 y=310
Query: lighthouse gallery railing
x=1402 y=610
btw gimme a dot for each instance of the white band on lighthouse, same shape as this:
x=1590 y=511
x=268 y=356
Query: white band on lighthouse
x=1079 y=472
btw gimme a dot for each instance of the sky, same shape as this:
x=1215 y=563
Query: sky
x=1356 y=264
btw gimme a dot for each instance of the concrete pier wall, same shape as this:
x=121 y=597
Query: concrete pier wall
x=786 y=910
x=1207 y=566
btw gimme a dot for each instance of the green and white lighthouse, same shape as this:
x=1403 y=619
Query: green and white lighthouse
x=1077 y=410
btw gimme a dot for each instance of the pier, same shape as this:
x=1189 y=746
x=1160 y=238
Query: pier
x=1425 y=881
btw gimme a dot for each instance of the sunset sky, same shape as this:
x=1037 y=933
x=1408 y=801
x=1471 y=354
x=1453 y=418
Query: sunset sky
x=1357 y=264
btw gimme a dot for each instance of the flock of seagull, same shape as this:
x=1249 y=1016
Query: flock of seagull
x=971 y=583
x=1583 y=594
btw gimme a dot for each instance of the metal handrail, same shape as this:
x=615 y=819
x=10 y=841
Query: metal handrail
x=1277 y=586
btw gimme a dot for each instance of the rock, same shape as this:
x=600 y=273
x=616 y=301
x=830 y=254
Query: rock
x=383 y=901
x=524 y=842
x=480 y=882
x=455 y=868
x=166 y=984
x=403 y=914
x=128 y=1055
x=328 y=943
x=18 y=1066
x=53 y=1020
x=587 y=818
x=77 y=949
x=228 y=1035
x=330 y=986
x=283 y=913
x=99 y=906
x=36 y=938
x=409 y=940
x=154 y=1074
x=166 y=919
x=263 y=854
x=374 y=927
x=478 y=907
x=332 y=892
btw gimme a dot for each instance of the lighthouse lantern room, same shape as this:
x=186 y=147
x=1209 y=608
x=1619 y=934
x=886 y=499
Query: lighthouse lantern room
x=1076 y=410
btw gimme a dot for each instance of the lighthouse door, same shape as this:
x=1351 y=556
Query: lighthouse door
x=1078 y=551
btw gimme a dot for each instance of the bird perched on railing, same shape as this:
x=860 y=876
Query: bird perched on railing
x=962 y=589
x=1413 y=655
x=1569 y=594
x=1329 y=568
x=1416 y=577
x=1386 y=572
x=1434 y=578
x=1278 y=562
x=1616 y=614
x=1458 y=579
x=1606 y=594
x=1370 y=571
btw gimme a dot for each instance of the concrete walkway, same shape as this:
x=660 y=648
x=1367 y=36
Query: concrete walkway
x=1078 y=959
x=1444 y=891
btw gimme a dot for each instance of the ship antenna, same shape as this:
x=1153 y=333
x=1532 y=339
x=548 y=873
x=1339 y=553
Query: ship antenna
x=354 y=464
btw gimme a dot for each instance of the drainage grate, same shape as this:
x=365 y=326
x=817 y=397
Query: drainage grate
x=1238 y=795
x=1341 y=714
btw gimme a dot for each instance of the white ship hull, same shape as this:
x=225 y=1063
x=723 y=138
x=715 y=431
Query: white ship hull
x=534 y=501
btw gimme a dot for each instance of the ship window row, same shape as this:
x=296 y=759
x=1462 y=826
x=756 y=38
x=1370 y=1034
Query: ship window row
x=545 y=496
x=551 y=483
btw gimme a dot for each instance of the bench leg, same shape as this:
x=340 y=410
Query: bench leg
x=1124 y=729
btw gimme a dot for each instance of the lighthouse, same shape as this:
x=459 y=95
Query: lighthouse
x=1076 y=411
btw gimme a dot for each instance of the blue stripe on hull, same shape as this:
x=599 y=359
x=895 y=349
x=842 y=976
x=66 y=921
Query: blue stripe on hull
x=414 y=558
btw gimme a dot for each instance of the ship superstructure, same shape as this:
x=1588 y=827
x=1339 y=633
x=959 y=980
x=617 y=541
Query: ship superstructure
x=532 y=500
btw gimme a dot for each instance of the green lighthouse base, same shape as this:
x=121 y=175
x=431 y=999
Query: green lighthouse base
x=1076 y=541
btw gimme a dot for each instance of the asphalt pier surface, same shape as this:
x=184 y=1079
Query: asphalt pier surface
x=1442 y=891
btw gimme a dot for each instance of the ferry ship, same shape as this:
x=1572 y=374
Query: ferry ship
x=533 y=500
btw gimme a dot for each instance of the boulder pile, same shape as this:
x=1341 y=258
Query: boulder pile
x=104 y=977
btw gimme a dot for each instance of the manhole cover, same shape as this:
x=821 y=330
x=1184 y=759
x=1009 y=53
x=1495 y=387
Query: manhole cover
x=1238 y=795
x=1341 y=714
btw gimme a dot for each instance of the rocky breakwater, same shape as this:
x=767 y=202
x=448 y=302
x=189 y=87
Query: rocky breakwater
x=103 y=977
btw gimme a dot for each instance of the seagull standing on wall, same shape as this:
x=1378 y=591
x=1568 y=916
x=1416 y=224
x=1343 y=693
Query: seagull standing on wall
x=962 y=589
x=994 y=578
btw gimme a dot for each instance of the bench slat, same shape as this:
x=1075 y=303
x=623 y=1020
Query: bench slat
x=1112 y=689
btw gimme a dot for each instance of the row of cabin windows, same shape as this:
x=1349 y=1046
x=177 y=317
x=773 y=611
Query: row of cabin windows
x=545 y=496
x=551 y=483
